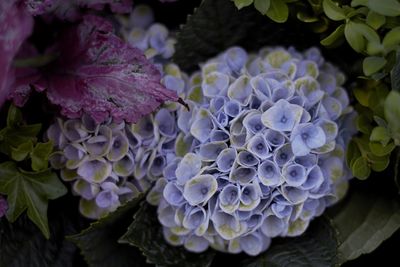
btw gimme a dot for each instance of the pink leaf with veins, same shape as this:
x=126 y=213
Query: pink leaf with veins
x=99 y=74
x=16 y=25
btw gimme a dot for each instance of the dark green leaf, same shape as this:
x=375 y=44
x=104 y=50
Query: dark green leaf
x=22 y=151
x=262 y=5
x=385 y=7
x=372 y=65
x=99 y=243
x=31 y=191
x=146 y=233
x=395 y=74
x=392 y=39
x=334 y=37
x=381 y=150
x=392 y=114
x=14 y=116
x=22 y=245
x=278 y=11
x=352 y=153
x=40 y=156
x=317 y=247
x=363 y=222
x=379 y=163
x=380 y=134
x=375 y=20
x=242 y=3
x=360 y=168
x=13 y=137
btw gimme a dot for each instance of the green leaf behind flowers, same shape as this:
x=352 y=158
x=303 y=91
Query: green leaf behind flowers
x=145 y=233
x=98 y=243
x=29 y=191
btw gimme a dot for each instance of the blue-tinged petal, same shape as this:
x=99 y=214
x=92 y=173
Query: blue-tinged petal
x=170 y=169
x=85 y=190
x=282 y=91
x=125 y=166
x=290 y=68
x=328 y=147
x=242 y=175
x=211 y=151
x=54 y=133
x=74 y=131
x=214 y=84
x=98 y=146
x=310 y=90
x=327 y=82
x=144 y=128
x=157 y=166
x=107 y=199
x=221 y=119
x=142 y=16
x=119 y=147
x=166 y=216
x=157 y=34
x=247 y=159
x=282 y=116
x=165 y=122
x=307 y=161
x=297 y=227
x=277 y=57
x=240 y=90
x=75 y=154
x=251 y=244
x=281 y=210
x=217 y=103
x=274 y=138
x=156 y=192
x=200 y=189
x=95 y=171
x=309 y=208
x=341 y=95
x=255 y=66
x=250 y=197
x=196 y=244
x=168 y=146
x=252 y=122
x=232 y=108
x=333 y=168
x=238 y=141
x=294 y=174
x=172 y=238
x=299 y=146
x=227 y=226
x=194 y=217
x=137 y=37
x=185 y=119
x=229 y=198
x=89 y=124
x=89 y=209
x=259 y=146
x=174 y=83
x=314 y=54
x=261 y=88
x=69 y=175
x=173 y=194
x=226 y=159
x=298 y=100
x=306 y=117
x=219 y=135
x=57 y=160
x=283 y=154
x=273 y=226
x=189 y=166
x=332 y=106
x=202 y=126
x=254 y=222
x=269 y=173
x=235 y=58
x=307 y=68
x=294 y=195
x=234 y=246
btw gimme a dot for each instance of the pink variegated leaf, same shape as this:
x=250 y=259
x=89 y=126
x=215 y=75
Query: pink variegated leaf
x=99 y=74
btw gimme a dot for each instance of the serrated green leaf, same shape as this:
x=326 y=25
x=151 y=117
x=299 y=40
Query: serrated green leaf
x=363 y=222
x=360 y=168
x=15 y=136
x=262 y=5
x=22 y=245
x=29 y=191
x=22 y=151
x=99 y=243
x=375 y=20
x=278 y=11
x=372 y=65
x=40 y=156
x=14 y=116
x=334 y=37
x=380 y=150
x=333 y=11
x=145 y=232
x=317 y=247
x=385 y=7
x=380 y=134
x=395 y=73
x=242 y=3
x=392 y=114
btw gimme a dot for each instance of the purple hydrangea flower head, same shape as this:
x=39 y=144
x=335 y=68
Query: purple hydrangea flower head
x=259 y=154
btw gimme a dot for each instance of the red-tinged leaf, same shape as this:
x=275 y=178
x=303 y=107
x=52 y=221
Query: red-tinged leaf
x=99 y=74
x=71 y=10
x=16 y=25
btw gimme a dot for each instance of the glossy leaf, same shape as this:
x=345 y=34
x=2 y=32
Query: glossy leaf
x=262 y=5
x=278 y=11
x=333 y=11
x=385 y=7
x=40 y=156
x=334 y=37
x=360 y=168
x=242 y=3
x=392 y=114
x=372 y=65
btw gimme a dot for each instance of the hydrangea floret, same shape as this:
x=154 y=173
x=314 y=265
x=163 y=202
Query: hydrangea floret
x=260 y=153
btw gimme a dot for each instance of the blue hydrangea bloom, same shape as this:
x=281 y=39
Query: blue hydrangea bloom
x=259 y=154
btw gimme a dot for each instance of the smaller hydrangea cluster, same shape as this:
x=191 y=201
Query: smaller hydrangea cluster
x=110 y=163
x=262 y=150
x=153 y=39
x=3 y=206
